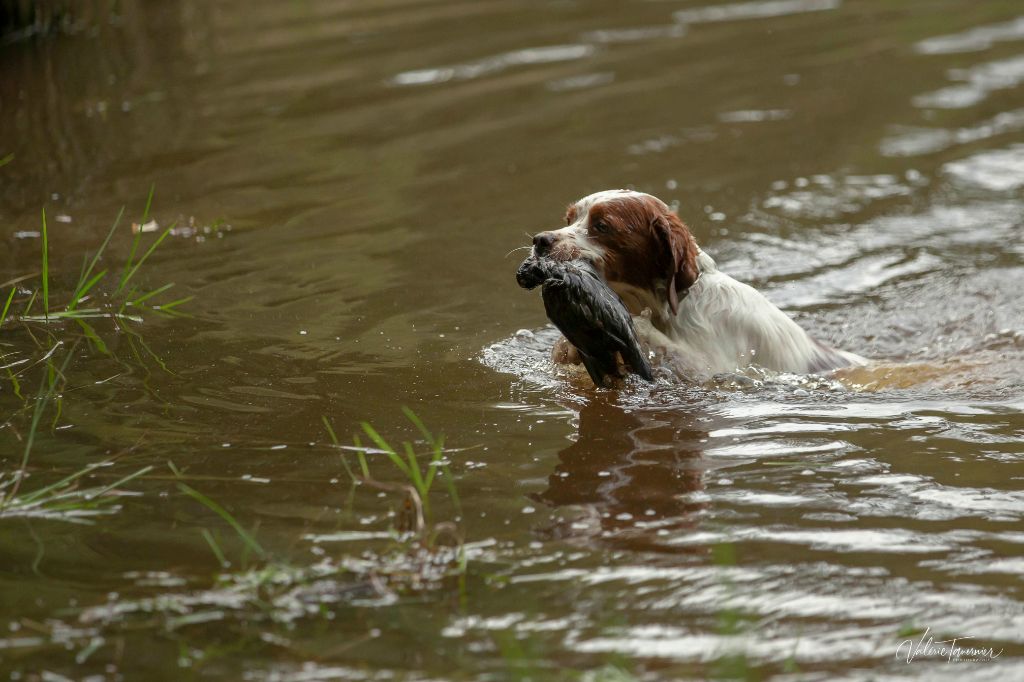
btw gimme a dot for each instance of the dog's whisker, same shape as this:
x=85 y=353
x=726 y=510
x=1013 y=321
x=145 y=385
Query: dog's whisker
x=518 y=248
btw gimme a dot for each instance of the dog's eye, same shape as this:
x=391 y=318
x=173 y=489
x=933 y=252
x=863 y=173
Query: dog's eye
x=600 y=226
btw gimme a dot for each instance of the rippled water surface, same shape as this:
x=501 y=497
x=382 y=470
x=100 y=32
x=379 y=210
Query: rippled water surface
x=345 y=180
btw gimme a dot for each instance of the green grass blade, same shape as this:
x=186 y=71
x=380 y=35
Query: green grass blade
x=149 y=202
x=436 y=444
x=46 y=268
x=446 y=477
x=59 y=402
x=215 y=548
x=6 y=160
x=388 y=450
x=334 y=439
x=418 y=423
x=130 y=266
x=330 y=429
x=452 y=493
x=37 y=414
x=81 y=291
x=28 y=306
x=157 y=358
x=155 y=292
x=361 y=456
x=136 y=240
x=414 y=470
x=15 y=384
x=28 y=498
x=7 y=305
x=436 y=459
x=135 y=268
x=171 y=309
x=89 y=649
x=248 y=539
x=174 y=304
x=106 y=489
x=81 y=273
x=347 y=466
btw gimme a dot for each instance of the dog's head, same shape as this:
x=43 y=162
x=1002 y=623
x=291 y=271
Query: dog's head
x=633 y=239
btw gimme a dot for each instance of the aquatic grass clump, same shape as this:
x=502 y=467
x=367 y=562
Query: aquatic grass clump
x=422 y=555
x=248 y=538
x=426 y=552
x=278 y=590
x=276 y=593
x=65 y=499
x=216 y=611
x=124 y=301
x=36 y=312
x=420 y=480
x=100 y=294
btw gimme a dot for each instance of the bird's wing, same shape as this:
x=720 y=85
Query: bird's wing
x=607 y=310
x=617 y=324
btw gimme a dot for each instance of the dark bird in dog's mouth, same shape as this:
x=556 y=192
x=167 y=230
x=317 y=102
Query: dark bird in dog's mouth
x=589 y=314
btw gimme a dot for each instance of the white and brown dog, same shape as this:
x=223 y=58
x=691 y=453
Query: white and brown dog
x=702 y=320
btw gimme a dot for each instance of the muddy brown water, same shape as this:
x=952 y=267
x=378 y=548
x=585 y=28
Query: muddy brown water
x=353 y=175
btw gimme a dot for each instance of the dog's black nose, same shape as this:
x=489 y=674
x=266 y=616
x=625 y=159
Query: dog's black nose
x=542 y=242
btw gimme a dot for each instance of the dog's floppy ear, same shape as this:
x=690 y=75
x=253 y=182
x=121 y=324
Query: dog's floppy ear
x=680 y=255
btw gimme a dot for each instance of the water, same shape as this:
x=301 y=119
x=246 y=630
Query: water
x=347 y=179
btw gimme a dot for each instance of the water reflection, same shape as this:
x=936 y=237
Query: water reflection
x=631 y=478
x=61 y=96
x=495 y=64
x=981 y=81
x=999 y=170
x=974 y=39
x=753 y=10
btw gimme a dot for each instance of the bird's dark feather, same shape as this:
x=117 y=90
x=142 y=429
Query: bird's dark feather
x=590 y=315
